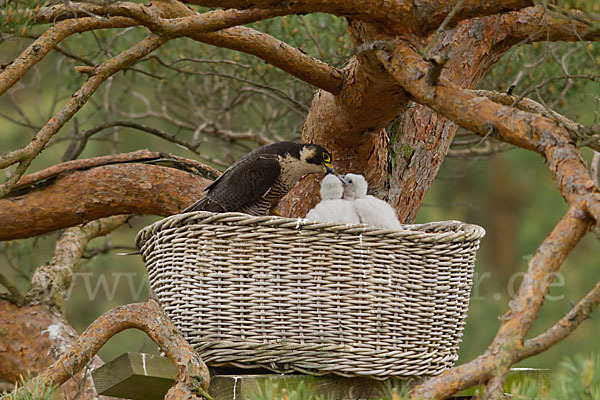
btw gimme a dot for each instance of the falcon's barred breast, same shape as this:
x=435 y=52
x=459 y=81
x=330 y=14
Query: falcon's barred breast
x=258 y=181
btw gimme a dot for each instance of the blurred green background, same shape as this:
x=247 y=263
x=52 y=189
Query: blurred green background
x=204 y=95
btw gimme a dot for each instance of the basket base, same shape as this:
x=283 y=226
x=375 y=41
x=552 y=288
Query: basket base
x=318 y=360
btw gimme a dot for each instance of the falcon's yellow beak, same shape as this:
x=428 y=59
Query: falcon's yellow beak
x=327 y=168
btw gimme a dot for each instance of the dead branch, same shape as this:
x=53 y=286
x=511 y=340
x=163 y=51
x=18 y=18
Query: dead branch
x=79 y=142
x=51 y=281
x=48 y=40
x=148 y=317
x=76 y=196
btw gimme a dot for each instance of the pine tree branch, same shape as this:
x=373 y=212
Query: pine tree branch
x=407 y=14
x=77 y=192
x=588 y=136
x=48 y=40
x=504 y=350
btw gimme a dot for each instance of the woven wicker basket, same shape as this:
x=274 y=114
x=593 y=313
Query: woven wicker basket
x=294 y=295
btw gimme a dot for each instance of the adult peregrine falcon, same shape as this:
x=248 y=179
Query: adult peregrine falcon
x=258 y=181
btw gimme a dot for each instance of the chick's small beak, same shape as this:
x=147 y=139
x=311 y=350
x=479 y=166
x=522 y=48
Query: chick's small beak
x=343 y=179
x=327 y=168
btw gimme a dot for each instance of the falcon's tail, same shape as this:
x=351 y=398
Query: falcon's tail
x=205 y=204
x=197 y=206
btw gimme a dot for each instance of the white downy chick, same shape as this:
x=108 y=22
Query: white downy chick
x=370 y=209
x=332 y=208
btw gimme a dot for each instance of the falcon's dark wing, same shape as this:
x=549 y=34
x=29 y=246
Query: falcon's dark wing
x=244 y=182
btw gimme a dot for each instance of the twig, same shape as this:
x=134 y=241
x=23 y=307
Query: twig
x=312 y=36
x=48 y=40
x=15 y=294
x=28 y=153
x=77 y=146
x=441 y=28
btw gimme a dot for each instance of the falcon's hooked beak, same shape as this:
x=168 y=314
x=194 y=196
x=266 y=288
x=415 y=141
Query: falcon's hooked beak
x=327 y=168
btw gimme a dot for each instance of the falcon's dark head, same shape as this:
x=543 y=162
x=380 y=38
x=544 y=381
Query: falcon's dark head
x=315 y=155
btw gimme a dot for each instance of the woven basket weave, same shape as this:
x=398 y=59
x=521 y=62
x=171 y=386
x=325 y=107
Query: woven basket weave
x=295 y=295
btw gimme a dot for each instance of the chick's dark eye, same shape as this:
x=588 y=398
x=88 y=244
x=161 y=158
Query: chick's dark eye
x=350 y=181
x=326 y=157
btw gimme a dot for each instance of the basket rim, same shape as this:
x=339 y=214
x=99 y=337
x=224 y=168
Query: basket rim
x=436 y=231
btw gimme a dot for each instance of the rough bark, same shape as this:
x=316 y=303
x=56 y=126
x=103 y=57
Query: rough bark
x=398 y=15
x=531 y=131
x=32 y=339
x=148 y=317
x=399 y=163
x=75 y=197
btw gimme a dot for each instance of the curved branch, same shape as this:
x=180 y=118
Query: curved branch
x=28 y=182
x=586 y=136
x=148 y=317
x=534 y=24
x=280 y=54
x=186 y=22
x=395 y=16
x=563 y=327
x=79 y=142
x=33 y=338
x=272 y=50
x=79 y=196
x=484 y=117
x=50 y=281
x=533 y=132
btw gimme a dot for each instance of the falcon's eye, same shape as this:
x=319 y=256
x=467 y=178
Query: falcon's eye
x=326 y=157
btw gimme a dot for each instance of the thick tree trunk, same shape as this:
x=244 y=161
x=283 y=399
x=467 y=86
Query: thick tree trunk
x=400 y=161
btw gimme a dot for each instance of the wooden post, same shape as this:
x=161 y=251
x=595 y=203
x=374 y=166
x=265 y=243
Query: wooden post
x=146 y=377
